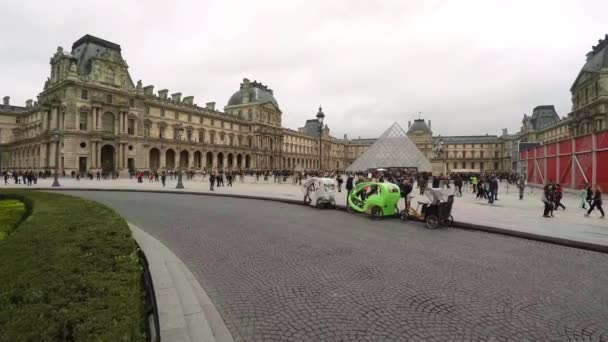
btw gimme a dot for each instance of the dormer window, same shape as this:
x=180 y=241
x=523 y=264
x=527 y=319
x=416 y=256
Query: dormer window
x=109 y=99
x=110 y=75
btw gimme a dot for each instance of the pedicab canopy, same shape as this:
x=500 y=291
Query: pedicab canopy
x=393 y=149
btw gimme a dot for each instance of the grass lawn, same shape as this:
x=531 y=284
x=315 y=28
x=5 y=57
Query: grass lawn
x=69 y=272
x=11 y=211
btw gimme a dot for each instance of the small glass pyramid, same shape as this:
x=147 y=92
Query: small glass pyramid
x=393 y=149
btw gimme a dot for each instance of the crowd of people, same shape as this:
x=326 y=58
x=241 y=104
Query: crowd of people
x=483 y=186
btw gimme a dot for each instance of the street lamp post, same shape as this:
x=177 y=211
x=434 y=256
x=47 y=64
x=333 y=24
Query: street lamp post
x=56 y=137
x=320 y=117
x=180 y=131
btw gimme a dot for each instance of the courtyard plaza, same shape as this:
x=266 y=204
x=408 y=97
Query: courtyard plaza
x=279 y=272
x=507 y=213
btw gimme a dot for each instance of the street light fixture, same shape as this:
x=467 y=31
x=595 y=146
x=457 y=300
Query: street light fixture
x=56 y=137
x=180 y=131
x=320 y=117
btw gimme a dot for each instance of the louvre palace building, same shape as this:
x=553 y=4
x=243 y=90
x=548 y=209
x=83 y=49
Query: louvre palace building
x=91 y=116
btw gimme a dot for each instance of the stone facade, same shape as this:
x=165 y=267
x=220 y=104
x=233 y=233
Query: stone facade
x=99 y=118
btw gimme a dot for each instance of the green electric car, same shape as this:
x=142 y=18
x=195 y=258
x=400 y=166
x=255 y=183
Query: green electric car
x=376 y=199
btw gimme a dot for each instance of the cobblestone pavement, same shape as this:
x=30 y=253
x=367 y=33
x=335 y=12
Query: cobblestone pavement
x=278 y=272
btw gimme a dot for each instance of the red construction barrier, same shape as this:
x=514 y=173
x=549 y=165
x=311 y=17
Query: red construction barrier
x=571 y=162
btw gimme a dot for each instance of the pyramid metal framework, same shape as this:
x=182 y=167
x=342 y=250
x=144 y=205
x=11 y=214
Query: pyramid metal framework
x=392 y=149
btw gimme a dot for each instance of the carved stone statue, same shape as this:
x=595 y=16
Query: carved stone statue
x=139 y=86
x=47 y=83
x=438 y=149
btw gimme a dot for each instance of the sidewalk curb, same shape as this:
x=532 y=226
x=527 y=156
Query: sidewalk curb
x=185 y=311
x=463 y=225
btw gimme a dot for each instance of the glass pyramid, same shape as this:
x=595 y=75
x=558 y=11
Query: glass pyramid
x=392 y=149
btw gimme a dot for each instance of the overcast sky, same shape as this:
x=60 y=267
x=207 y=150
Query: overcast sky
x=472 y=67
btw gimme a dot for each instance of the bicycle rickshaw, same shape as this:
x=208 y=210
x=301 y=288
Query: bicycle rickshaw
x=321 y=192
x=436 y=212
x=377 y=199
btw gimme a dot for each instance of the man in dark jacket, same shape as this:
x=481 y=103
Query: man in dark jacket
x=406 y=188
x=349 y=185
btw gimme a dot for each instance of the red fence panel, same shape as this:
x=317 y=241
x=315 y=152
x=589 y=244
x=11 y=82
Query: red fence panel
x=522 y=155
x=551 y=149
x=565 y=170
x=602 y=170
x=551 y=172
x=602 y=141
x=565 y=147
x=582 y=169
x=531 y=171
x=583 y=144
x=540 y=151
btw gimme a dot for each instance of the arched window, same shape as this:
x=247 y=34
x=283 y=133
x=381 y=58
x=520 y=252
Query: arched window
x=107 y=121
x=250 y=115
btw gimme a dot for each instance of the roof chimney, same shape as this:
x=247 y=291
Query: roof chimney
x=429 y=124
x=28 y=103
x=149 y=90
x=211 y=105
x=6 y=100
x=409 y=124
x=189 y=100
x=345 y=137
x=176 y=97
x=163 y=94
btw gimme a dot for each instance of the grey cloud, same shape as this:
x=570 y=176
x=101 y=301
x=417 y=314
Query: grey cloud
x=472 y=67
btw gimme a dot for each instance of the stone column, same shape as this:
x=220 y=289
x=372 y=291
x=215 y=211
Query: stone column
x=92 y=158
x=125 y=154
x=162 y=159
x=98 y=154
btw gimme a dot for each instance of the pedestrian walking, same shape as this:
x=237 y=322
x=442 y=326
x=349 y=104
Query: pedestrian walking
x=546 y=199
x=349 y=185
x=558 y=197
x=521 y=185
x=163 y=178
x=339 y=181
x=596 y=202
x=211 y=180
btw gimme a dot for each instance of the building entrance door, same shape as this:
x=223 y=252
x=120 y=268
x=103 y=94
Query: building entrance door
x=107 y=158
x=131 y=163
x=82 y=165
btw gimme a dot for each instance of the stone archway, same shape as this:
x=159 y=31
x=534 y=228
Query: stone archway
x=184 y=159
x=247 y=161
x=198 y=157
x=230 y=160
x=209 y=160
x=170 y=159
x=220 y=160
x=107 y=158
x=154 y=159
x=239 y=161
x=271 y=162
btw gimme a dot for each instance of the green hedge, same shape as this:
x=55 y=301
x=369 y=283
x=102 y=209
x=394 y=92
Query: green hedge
x=11 y=212
x=70 y=272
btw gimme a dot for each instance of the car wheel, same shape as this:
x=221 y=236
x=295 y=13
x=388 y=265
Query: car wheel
x=377 y=213
x=432 y=221
x=403 y=215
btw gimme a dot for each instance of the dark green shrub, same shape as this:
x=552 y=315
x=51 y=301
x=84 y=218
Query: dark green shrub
x=69 y=272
